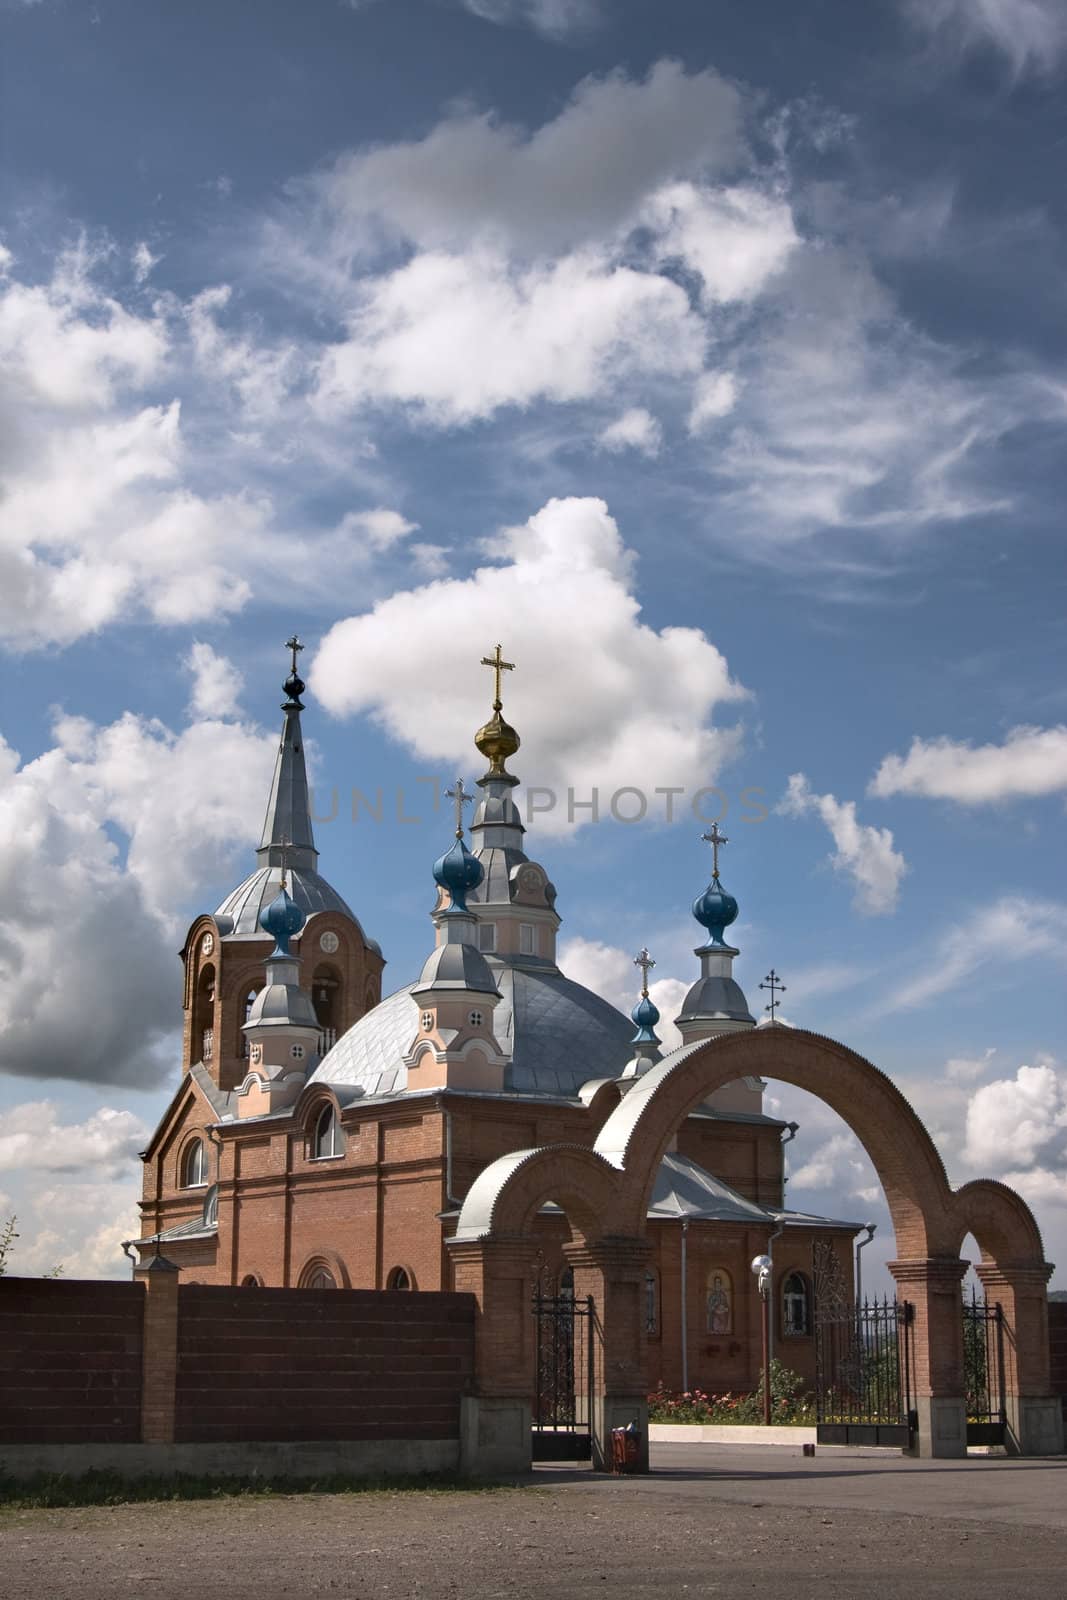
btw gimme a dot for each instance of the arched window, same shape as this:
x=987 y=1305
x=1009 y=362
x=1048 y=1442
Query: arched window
x=720 y=1302
x=211 y=1207
x=194 y=1165
x=204 y=1016
x=651 y=1302
x=320 y=1277
x=326 y=997
x=400 y=1278
x=246 y=1012
x=250 y=1281
x=796 y=1305
x=329 y=1139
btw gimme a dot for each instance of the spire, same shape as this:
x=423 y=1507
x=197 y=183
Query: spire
x=457 y=872
x=645 y=1015
x=716 y=1003
x=287 y=837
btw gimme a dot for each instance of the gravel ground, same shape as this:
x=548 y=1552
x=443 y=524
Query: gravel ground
x=564 y=1538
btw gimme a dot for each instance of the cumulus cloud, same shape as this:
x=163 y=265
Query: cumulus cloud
x=644 y=717
x=87 y=934
x=714 y=397
x=636 y=429
x=552 y=17
x=966 y=1069
x=217 y=684
x=610 y=972
x=1011 y=1121
x=78 y=1227
x=863 y=853
x=1031 y=761
x=1011 y=929
x=734 y=239
x=34 y=1137
x=1030 y=34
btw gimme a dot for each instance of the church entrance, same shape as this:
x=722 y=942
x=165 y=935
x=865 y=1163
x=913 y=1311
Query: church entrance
x=863 y=1363
x=564 y=1374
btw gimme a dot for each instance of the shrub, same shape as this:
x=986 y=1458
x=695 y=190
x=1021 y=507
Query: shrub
x=791 y=1404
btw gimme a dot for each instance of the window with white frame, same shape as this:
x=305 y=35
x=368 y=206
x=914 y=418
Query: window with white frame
x=796 y=1305
x=329 y=1139
x=194 y=1165
x=527 y=939
x=487 y=936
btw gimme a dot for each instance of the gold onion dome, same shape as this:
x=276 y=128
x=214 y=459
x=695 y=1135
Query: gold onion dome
x=497 y=739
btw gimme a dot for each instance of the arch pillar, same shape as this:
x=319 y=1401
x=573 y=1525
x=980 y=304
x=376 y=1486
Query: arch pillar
x=612 y=1271
x=932 y=1284
x=1035 y=1416
x=496 y=1420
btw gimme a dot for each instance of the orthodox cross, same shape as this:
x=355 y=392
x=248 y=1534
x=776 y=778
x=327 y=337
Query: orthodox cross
x=715 y=839
x=499 y=665
x=295 y=646
x=777 y=987
x=283 y=845
x=646 y=963
x=459 y=794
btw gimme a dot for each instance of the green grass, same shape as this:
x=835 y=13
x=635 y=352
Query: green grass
x=55 y=1489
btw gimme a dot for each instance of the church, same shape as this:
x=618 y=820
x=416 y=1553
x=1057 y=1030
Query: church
x=322 y=1136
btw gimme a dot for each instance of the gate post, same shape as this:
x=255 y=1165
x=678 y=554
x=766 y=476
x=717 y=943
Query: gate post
x=612 y=1271
x=1035 y=1415
x=496 y=1420
x=933 y=1285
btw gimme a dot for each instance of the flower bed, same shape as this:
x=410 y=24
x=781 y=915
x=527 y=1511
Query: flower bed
x=791 y=1405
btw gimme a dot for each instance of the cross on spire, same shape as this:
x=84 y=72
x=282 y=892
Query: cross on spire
x=295 y=646
x=643 y=960
x=459 y=795
x=499 y=665
x=715 y=838
x=777 y=987
x=283 y=846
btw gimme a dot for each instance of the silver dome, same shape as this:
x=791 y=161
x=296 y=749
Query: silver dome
x=554 y=1034
x=238 y=915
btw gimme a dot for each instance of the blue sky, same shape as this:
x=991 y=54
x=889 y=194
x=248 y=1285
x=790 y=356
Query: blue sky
x=711 y=357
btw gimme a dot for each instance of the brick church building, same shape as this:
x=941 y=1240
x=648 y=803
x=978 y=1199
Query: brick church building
x=324 y=1136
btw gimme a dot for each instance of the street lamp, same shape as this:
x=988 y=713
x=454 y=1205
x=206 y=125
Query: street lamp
x=762 y=1268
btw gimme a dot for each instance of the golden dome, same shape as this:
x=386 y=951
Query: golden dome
x=496 y=741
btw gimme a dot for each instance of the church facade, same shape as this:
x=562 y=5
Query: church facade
x=323 y=1136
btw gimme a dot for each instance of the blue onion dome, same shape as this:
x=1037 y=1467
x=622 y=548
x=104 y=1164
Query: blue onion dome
x=458 y=872
x=283 y=920
x=715 y=909
x=645 y=1014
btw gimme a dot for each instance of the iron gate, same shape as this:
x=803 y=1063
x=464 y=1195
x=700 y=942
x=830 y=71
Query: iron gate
x=563 y=1377
x=983 y=1369
x=863 y=1363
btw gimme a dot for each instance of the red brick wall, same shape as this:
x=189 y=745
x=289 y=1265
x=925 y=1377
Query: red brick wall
x=319 y=1364
x=1057 y=1333
x=70 y=1362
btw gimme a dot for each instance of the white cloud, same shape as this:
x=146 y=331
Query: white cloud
x=34 y=1137
x=862 y=852
x=261 y=375
x=636 y=429
x=87 y=940
x=1031 y=34
x=1040 y=1186
x=610 y=973
x=735 y=239
x=379 y=528
x=966 y=1069
x=1011 y=1121
x=143 y=262
x=1010 y=929
x=551 y=17
x=714 y=397
x=643 y=718
x=217 y=684
x=79 y=1227
x=1031 y=761
x=457 y=337
x=582 y=177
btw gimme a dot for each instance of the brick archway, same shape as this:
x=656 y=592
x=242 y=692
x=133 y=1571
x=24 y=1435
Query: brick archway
x=606 y=1193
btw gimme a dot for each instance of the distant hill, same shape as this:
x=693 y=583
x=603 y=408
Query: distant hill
x=1058 y=1294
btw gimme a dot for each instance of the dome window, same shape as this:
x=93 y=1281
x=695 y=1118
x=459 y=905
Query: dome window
x=297 y=1052
x=329 y=1141
x=475 y=1019
x=527 y=939
x=426 y=1021
x=487 y=936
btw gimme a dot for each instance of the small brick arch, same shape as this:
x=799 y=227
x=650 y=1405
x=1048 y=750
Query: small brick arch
x=504 y=1199
x=1000 y=1220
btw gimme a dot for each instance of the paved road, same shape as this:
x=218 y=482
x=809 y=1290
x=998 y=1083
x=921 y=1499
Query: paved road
x=719 y=1522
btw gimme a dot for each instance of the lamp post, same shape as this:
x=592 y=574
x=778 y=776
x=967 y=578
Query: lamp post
x=761 y=1268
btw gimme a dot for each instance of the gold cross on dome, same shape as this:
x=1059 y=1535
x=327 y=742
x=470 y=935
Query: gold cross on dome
x=715 y=838
x=459 y=794
x=499 y=665
x=646 y=963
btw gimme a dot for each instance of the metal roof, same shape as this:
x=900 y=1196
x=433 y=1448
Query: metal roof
x=554 y=1034
x=238 y=915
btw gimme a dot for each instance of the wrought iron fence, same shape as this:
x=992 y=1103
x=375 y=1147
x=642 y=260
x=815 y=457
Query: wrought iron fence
x=985 y=1383
x=563 y=1376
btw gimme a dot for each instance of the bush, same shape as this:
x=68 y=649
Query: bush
x=791 y=1405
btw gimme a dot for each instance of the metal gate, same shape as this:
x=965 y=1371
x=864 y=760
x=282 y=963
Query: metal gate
x=983 y=1369
x=863 y=1363
x=563 y=1377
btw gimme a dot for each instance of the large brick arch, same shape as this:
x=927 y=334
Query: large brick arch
x=504 y=1199
x=636 y=1136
